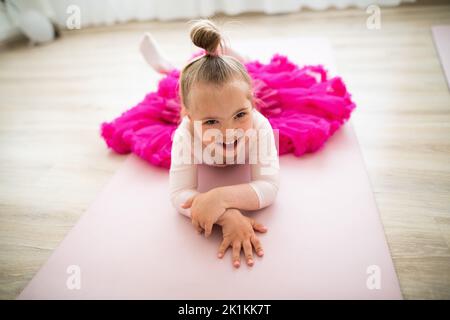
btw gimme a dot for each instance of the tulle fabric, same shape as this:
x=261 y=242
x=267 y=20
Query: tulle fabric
x=303 y=106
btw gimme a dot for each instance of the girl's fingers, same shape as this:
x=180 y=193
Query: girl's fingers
x=188 y=203
x=197 y=226
x=248 y=250
x=208 y=229
x=223 y=248
x=258 y=226
x=237 y=254
x=257 y=245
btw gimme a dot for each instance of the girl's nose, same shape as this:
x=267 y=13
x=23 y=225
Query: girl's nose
x=228 y=134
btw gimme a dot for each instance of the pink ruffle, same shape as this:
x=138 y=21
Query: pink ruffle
x=302 y=103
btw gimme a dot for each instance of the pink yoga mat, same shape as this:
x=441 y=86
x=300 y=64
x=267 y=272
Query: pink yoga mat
x=325 y=237
x=441 y=36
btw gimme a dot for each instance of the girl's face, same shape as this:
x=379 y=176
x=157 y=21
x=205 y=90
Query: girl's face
x=227 y=108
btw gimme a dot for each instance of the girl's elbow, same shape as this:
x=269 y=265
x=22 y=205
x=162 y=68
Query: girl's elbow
x=178 y=199
x=270 y=195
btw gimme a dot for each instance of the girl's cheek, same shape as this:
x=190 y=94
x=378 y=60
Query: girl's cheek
x=248 y=124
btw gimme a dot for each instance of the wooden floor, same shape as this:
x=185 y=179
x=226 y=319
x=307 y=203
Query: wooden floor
x=53 y=98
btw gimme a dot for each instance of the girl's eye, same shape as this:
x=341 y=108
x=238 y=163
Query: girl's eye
x=240 y=114
x=210 y=122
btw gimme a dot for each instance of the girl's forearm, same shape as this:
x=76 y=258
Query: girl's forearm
x=239 y=196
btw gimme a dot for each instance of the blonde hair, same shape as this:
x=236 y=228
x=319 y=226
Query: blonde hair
x=213 y=67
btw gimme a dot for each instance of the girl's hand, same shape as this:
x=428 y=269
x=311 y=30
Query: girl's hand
x=238 y=232
x=206 y=208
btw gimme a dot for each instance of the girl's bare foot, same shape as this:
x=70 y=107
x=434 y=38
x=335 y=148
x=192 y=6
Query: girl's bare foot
x=154 y=56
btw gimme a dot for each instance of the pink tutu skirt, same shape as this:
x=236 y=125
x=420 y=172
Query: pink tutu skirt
x=301 y=103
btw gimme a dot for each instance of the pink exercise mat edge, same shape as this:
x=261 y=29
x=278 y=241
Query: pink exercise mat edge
x=441 y=37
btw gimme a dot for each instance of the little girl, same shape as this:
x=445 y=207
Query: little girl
x=222 y=122
x=222 y=109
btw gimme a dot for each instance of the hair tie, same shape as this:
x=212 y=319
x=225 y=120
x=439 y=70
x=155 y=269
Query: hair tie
x=212 y=54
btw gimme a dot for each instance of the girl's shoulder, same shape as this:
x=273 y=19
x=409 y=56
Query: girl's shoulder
x=259 y=121
x=182 y=130
x=184 y=124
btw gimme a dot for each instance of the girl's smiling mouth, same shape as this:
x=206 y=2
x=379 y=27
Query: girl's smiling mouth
x=232 y=144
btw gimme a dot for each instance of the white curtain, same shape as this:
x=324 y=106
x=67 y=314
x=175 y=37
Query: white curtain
x=99 y=12
x=107 y=12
